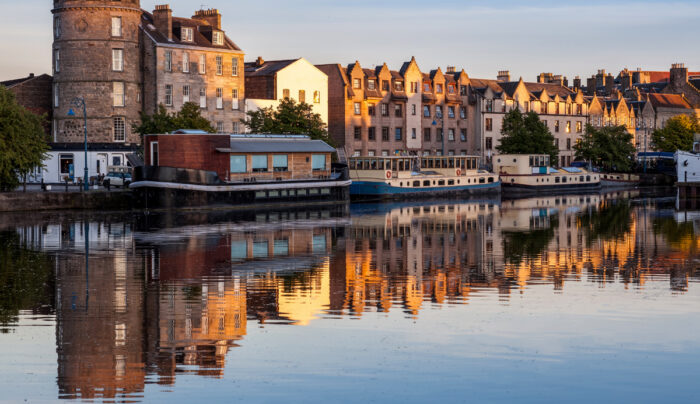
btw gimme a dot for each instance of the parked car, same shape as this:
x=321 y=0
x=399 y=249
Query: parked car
x=116 y=179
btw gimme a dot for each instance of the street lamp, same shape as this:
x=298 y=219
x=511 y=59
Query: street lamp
x=440 y=115
x=79 y=102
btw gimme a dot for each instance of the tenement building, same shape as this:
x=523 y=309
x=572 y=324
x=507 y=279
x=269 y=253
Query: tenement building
x=122 y=61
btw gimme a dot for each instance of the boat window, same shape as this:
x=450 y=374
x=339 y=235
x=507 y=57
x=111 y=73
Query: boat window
x=353 y=164
x=401 y=166
x=426 y=183
x=563 y=179
x=450 y=182
x=490 y=179
x=394 y=165
x=318 y=161
x=238 y=164
x=259 y=163
x=532 y=161
x=481 y=180
x=374 y=164
x=416 y=183
x=588 y=178
x=580 y=178
x=279 y=162
x=451 y=162
x=441 y=182
x=463 y=163
x=556 y=180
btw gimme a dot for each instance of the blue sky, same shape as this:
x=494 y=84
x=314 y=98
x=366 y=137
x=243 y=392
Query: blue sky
x=525 y=37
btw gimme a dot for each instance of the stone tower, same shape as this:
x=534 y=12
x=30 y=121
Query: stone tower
x=96 y=56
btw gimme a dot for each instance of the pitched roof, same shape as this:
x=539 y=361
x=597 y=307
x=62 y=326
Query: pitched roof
x=198 y=38
x=14 y=82
x=267 y=68
x=277 y=145
x=552 y=89
x=668 y=101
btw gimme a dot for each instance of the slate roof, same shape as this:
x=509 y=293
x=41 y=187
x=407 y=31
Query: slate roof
x=267 y=68
x=668 y=101
x=14 y=82
x=198 y=37
x=277 y=145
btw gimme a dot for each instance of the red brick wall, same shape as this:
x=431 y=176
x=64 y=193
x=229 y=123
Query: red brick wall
x=190 y=151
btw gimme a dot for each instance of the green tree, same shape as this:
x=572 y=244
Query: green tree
x=609 y=147
x=526 y=134
x=289 y=117
x=189 y=117
x=23 y=142
x=677 y=134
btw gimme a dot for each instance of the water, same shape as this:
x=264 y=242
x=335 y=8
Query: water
x=575 y=298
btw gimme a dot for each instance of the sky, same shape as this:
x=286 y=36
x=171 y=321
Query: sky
x=482 y=37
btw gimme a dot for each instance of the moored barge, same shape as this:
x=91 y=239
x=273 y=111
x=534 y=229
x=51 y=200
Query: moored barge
x=196 y=169
x=527 y=174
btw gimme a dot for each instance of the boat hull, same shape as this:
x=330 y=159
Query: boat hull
x=360 y=189
x=521 y=189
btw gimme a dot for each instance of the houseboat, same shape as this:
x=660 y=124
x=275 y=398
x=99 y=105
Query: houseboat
x=619 y=180
x=688 y=173
x=531 y=174
x=194 y=169
x=398 y=176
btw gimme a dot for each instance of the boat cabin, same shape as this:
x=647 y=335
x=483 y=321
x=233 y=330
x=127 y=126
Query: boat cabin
x=406 y=166
x=521 y=164
x=533 y=170
x=242 y=157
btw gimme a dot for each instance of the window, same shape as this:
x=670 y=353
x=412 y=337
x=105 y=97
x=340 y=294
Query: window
x=116 y=26
x=556 y=143
x=385 y=134
x=185 y=62
x=185 y=94
x=568 y=144
x=556 y=126
x=385 y=85
x=168 y=94
x=202 y=64
x=463 y=90
x=55 y=94
x=413 y=109
x=438 y=111
x=219 y=98
x=413 y=133
x=489 y=105
x=398 y=86
x=371 y=110
x=489 y=143
x=186 y=34
x=451 y=135
x=438 y=134
x=398 y=134
x=438 y=88
x=234 y=98
x=356 y=83
x=451 y=89
x=371 y=84
x=357 y=132
x=426 y=87
x=398 y=110
x=463 y=112
x=118 y=129
x=117 y=60
x=168 y=61
x=371 y=153
x=317 y=98
x=385 y=153
x=154 y=153
x=65 y=161
x=218 y=38
x=451 y=112
x=235 y=127
x=385 y=109
x=489 y=124
x=118 y=94
x=285 y=93
x=318 y=161
x=203 y=97
x=259 y=163
x=426 y=111
x=579 y=109
x=568 y=126
x=356 y=108
x=426 y=134
x=463 y=135
x=238 y=164
x=279 y=162
x=219 y=66
x=543 y=108
x=579 y=127
x=57 y=27
x=219 y=127
x=414 y=86
x=56 y=61
x=371 y=133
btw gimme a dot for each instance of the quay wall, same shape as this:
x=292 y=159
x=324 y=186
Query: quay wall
x=37 y=201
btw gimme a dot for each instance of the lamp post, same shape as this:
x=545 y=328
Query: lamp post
x=79 y=102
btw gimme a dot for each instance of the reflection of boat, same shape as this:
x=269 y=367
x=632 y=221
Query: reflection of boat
x=531 y=174
x=427 y=175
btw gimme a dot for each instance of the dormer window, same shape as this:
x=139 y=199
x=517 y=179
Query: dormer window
x=451 y=89
x=187 y=35
x=426 y=87
x=217 y=38
x=371 y=84
x=438 y=88
x=398 y=86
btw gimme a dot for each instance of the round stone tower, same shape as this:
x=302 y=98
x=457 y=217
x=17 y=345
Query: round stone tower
x=96 y=56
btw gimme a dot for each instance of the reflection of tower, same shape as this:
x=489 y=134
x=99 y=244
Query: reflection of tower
x=96 y=56
x=99 y=340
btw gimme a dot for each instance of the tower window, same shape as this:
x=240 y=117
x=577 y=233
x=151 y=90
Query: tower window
x=116 y=26
x=57 y=27
x=117 y=60
x=56 y=60
x=119 y=129
x=118 y=93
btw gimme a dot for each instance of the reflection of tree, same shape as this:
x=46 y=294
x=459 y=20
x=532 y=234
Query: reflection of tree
x=25 y=279
x=528 y=244
x=679 y=235
x=612 y=221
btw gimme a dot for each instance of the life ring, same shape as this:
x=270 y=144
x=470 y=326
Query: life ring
x=388 y=175
x=459 y=172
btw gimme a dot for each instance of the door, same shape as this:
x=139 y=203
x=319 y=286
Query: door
x=101 y=164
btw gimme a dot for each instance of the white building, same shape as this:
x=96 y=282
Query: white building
x=67 y=160
x=267 y=82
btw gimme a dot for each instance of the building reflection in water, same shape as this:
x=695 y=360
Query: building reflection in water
x=176 y=296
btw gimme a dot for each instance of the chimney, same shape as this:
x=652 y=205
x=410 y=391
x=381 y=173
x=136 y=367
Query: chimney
x=259 y=61
x=503 y=75
x=211 y=16
x=565 y=82
x=577 y=83
x=591 y=85
x=450 y=69
x=679 y=74
x=31 y=75
x=163 y=20
x=625 y=81
x=609 y=83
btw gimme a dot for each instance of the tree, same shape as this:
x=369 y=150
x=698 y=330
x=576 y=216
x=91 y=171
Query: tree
x=289 y=117
x=677 y=134
x=526 y=134
x=189 y=117
x=609 y=147
x=23 y=142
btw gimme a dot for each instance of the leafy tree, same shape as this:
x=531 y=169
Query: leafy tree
x=608 y=147
x=289 y=117
x=189 y=117
x=677 y=134
x=23 y=142
x=526 y=134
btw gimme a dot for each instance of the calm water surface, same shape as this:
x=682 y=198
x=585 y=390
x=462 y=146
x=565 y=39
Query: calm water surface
x=570 y=298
